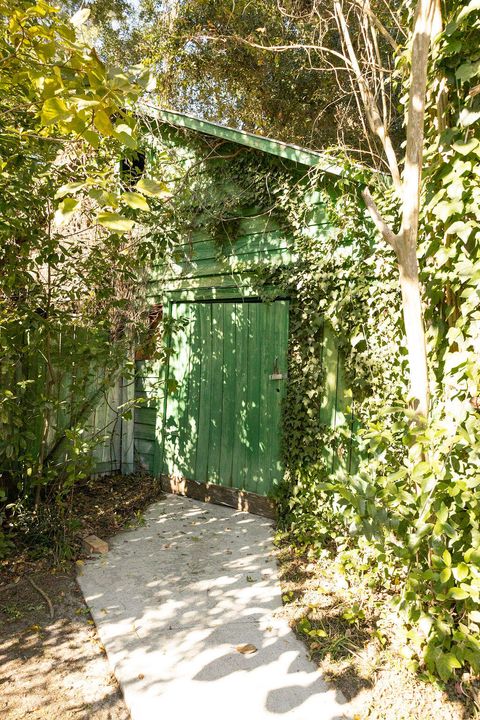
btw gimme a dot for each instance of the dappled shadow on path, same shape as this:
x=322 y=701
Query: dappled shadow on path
x=53 y=669
x=174 y=599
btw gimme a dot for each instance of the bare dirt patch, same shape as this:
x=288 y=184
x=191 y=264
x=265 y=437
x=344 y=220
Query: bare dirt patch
x=354 y=638
x=58 y=668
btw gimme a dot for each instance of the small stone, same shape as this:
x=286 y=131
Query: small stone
x=94 y=544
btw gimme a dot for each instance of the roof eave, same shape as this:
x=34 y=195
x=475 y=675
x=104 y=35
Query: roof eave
x=287 y=151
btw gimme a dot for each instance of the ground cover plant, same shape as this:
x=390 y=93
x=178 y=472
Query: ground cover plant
x=411 y=507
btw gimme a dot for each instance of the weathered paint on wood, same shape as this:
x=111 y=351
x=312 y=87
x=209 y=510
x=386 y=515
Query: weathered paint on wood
x=190 y=434
x=222 y=423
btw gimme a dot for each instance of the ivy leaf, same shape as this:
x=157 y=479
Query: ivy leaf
x=446 y=663
x=471 y=7
x=468 y=117
x=135 y=201
x=465 y=147
x=152 y=188
x=444 y=210
x=115 y=222
x=467 y=71
x=460 y=228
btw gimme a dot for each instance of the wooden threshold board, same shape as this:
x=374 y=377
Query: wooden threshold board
x=219 y=495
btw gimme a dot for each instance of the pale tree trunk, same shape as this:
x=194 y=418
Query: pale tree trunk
x=407 y=242
x=427 y=24
x=409 y=189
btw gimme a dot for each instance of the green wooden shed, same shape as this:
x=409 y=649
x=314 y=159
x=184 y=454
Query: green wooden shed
x=210 y=422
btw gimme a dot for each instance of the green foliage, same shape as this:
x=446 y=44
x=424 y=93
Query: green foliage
x=69 y=294
x=383 y=493
x=203 y=66
x=412 y=498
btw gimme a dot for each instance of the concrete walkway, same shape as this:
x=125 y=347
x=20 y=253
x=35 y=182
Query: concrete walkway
x=174 y=598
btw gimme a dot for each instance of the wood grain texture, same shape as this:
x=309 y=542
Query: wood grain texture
x=219 y=495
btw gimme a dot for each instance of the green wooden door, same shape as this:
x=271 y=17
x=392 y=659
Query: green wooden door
x=222 y=422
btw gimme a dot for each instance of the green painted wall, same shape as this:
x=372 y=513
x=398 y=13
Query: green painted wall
x=170 y=431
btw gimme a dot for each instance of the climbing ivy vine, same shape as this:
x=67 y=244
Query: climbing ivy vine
x=399 y=495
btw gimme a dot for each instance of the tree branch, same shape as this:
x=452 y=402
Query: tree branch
x=376 y=122
x=382 y=226
x=277 y=48
x=364 y=8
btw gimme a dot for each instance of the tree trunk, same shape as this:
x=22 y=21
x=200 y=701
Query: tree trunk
x=414 y=328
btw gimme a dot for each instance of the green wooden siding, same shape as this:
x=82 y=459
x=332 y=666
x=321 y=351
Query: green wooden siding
x=222 y=423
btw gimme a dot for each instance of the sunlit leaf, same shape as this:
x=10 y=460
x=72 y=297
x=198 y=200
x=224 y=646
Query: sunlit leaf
x=135 y=200
x=115 y=222
x=65 y=210
x=53 y=109
x=152 y=188
x=80 y=17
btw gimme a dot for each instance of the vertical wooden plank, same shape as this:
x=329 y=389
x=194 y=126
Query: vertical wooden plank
x=182 y=441
x=190 y=417
x=178 y=365
x=240 y=437
x=253 y=398
x=228 y=418
x=205 y=393
x=217 y=392
x=127 y=460
x=280 y=334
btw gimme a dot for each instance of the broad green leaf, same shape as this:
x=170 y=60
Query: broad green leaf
x=447 y=558
x=467 y=71
x=460 y=228
x=446 y=663
x=461 y=572
x=91 y=137
x=152 y=188
x=458 y=593
x=471 y=7
x=71 y=187
x=135 y=200
x=53 y=109
x=445 y=575
x=103 y=123
x=468 y=117
x=115 y=222
x=124 y=134
x=472 y=555
x=444 y=210
x=465 y=147
x=65 y=210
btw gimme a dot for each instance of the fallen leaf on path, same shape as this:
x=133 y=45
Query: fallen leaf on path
x=247 y=649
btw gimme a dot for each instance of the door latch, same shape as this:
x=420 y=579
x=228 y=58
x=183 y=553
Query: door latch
x=276 y=374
